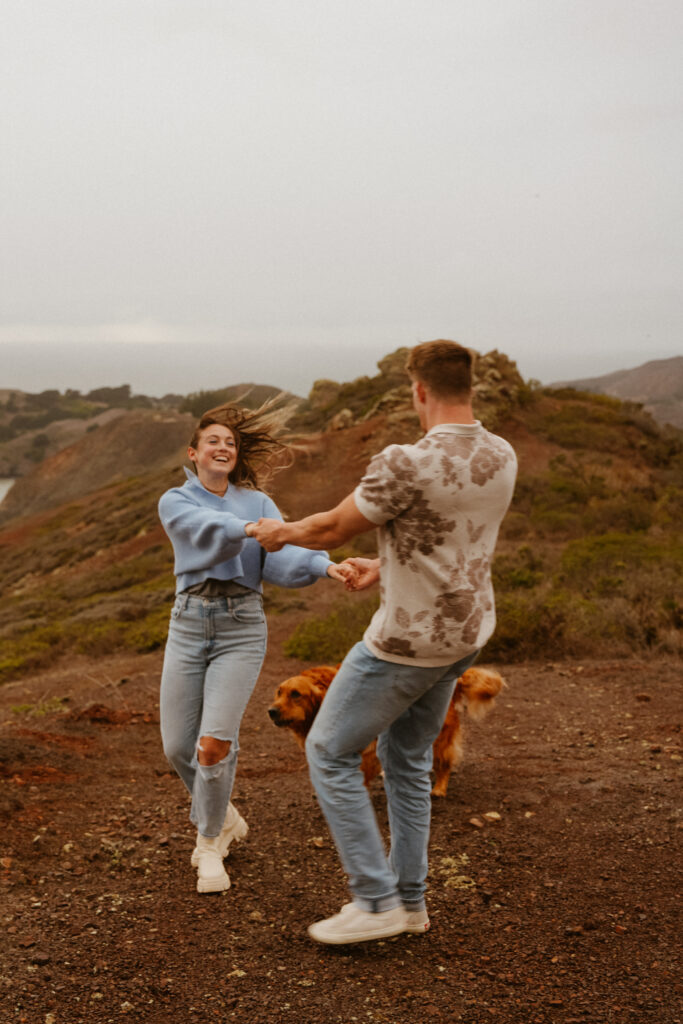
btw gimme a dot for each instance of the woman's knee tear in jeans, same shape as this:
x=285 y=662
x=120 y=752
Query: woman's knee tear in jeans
x=211 y=750
x=216 y=763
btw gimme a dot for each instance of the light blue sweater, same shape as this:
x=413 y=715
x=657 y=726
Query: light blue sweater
x=208 y=538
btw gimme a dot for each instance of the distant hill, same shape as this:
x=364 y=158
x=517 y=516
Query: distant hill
x=34 y=427
x=132 y=444
x=249 y=395
x=657 y=385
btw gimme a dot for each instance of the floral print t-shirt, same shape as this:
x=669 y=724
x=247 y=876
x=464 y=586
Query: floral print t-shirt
x=438 y=505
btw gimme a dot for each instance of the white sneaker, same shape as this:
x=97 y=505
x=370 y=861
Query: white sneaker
x=211 y=875
x=355 y=925
x=417 y=921
x=234 y=828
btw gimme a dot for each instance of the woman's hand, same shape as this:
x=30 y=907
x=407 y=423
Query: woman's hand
x=365 y=572
x=343 y=572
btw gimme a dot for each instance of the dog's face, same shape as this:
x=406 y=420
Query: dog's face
x=298 y=699
x=478 y=688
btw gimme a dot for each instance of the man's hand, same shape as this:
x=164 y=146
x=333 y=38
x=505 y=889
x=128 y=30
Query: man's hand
x=270 y=533
x=323 y=530
x=365 y=572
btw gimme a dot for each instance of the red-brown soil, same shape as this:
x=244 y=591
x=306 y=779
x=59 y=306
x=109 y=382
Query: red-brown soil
x=562 y=911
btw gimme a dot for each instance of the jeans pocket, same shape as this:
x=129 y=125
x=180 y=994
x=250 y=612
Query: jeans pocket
x=249 y=612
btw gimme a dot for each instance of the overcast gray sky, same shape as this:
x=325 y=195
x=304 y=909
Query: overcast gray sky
x=201 y=192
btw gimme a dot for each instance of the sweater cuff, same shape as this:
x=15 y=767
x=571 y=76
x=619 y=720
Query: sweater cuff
x=234 y=527
x=320 y=563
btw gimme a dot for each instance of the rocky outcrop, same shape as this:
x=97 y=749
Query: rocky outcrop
x=498 y=386
x=341 y=420
x=397 y=399
x=323 y=393
x=393 y=367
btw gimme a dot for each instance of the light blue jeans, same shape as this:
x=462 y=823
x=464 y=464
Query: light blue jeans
x=404 y=706
x=214 y=653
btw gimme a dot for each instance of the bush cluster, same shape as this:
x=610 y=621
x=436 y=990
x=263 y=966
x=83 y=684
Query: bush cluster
x=327 y=638
x=94 y=577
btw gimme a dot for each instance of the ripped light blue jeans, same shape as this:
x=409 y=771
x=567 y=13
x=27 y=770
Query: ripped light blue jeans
x=404 y=706
x=214 y=653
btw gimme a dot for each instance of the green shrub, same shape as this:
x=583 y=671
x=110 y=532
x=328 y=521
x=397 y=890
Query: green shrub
x=554 y=523
x=623 y=513
x=668 y=510
x=515 y=526
x=529 y=625
x=328 y=638
x=583 y=560
x=521 y=570
x=44 y=707
x=150 y=633
x=568 y=429
x=27 y=652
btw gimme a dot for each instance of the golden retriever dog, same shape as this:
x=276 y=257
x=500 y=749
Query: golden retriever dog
x=298 y=699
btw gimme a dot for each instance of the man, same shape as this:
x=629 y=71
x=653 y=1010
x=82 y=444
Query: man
x=437 y=505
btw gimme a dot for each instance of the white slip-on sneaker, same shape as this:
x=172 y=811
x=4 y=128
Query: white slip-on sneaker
x=355 y=925
x=211 y=875
x=234 y=829
x=417 y=921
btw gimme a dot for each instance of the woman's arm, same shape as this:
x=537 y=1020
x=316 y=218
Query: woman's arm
x=201 y=537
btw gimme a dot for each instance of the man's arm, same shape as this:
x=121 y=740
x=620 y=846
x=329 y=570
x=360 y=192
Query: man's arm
x=322 y=530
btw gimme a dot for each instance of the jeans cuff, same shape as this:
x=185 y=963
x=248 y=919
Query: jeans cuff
x=379 y=905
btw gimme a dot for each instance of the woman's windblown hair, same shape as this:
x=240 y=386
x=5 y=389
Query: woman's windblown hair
x=259 y=452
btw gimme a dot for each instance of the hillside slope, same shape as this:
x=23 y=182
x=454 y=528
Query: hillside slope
x=127 y=445
x=657 y=385
x=590 y=558
x=36 y=426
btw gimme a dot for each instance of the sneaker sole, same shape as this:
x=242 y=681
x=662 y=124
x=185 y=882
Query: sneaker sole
x=213 y=884
x=420 y=930
x=417 y=929
x=353 y=937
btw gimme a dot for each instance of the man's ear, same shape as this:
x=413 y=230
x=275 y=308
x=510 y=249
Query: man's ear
x=420 y=392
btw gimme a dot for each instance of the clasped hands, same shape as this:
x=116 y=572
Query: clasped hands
x=354 y=573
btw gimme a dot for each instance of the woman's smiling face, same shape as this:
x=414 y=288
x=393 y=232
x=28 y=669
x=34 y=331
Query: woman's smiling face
x=216 y=452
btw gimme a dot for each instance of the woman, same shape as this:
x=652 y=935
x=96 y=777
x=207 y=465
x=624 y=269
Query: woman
x=217 y=634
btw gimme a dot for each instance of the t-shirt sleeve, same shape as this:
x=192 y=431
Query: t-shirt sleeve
x=388 y=486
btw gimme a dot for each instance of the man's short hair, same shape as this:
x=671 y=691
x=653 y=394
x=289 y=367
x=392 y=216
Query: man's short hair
x=444 y=366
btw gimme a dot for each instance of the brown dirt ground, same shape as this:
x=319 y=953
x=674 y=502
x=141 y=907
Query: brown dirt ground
x=562 y=911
